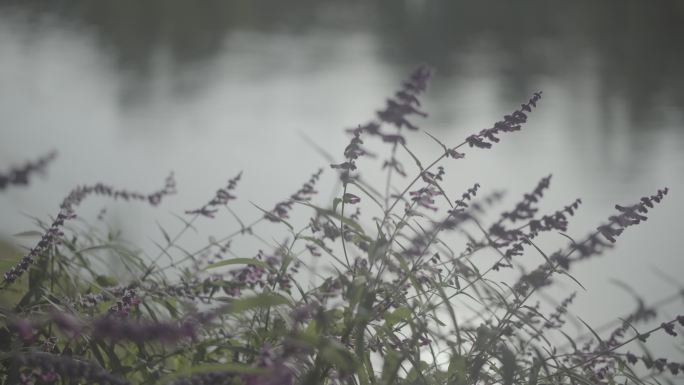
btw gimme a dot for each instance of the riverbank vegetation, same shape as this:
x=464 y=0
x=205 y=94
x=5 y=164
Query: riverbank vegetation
x=417 y=284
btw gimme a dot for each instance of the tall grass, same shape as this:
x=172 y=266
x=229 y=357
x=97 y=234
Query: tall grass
x=374 y=288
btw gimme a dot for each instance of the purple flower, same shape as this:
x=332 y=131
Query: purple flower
x=20 y=175
x=221 y=198
x=53 y=234
x=513 y=122
x=51 y=365
x=281 y=210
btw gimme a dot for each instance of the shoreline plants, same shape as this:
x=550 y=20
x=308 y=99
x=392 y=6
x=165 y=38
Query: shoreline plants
x=404 y=295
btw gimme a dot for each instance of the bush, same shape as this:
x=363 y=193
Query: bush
x=395 y=301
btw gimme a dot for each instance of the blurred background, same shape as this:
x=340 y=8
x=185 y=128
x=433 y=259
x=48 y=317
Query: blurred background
x=129 y=90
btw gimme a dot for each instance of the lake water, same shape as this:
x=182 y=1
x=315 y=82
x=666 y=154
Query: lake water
x=127 y=91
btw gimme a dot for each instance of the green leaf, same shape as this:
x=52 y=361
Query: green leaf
x=238 y=261
x=378 y=248
x=457 y=370
x=167 y=238
x=436 y=140
x=336 y=203
x=231 y=367
x=415 y=158
x=28 y=234
x=257 y=302
x=400 y=314
x=390 y=367
x=336 y=354
x=417 y=371
x=106 y=281
x=97 y=248
x=598 y=338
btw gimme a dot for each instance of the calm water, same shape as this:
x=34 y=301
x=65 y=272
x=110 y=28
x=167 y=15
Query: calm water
x=129 y=90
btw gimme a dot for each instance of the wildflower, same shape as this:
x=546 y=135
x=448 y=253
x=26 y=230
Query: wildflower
x=592 y=245
x=69 y=367
x=23 y=328
x=221 y=198
x=53 y=234
x=281 y=210
x=20 y=175
x=424 y=197
x=128 y=301
x=630 y=215
x=406 y=101
x=513 y=122
x=669 y=328
x=674 y=368
x=351 y=198
x=631 y=358
x=352 y=152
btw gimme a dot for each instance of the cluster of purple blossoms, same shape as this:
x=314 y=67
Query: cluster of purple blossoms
x=424 y=197
x=604 y=366
x=513 y=122
x=593 y=244
x=23 y=328
x=282 y=209
x=221 y=198
x=661 y=364
x=524 y=209
x=419 y=243
x=20 y=175
x=52 y=365
x=53 y=234
x=89 y=300
x=405 y=101
x=117 y=329
x=643 y=313
x=461 y=204
x=276 y=369
x=128 y=300
x=556 y=221
x=352 y=152
x=322 y=228
x=630 y=215
x=555 y=320
x=113 y=328
x=398 y=109
x=404 y=104
x=252 y=276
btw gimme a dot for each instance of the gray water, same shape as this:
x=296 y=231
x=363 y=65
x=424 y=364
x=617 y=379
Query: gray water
x=127 y=91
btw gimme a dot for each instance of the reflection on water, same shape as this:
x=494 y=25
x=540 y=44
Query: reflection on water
x=127 y=90
x=636 y=48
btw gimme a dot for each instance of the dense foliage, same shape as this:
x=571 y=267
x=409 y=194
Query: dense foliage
x=397 y=302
